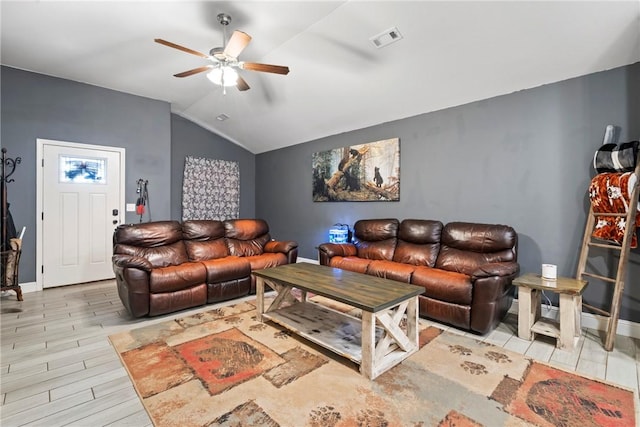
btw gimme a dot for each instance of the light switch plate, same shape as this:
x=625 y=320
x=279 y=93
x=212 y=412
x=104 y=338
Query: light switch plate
x=131 y=207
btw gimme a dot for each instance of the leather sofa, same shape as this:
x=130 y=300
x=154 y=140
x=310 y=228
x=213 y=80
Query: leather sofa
x=466 y=269
x=166 y=266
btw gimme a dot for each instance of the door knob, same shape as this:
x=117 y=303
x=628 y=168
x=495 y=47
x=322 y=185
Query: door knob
x=115 y=221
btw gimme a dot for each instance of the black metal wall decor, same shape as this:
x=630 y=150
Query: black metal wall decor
x=8 y=168
x=11 y=247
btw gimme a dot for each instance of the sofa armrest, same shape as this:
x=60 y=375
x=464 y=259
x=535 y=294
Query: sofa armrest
x=492 y=294
x=499 y=269
x=338 y=249
x=130 y=261
x=284 y=246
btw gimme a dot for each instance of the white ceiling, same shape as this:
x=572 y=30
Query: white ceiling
x=452 y=53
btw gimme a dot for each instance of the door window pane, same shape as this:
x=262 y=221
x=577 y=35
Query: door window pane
x=82 y=170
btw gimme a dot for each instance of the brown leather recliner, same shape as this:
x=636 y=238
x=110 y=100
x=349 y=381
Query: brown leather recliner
x=465 y=268
x=166 y=266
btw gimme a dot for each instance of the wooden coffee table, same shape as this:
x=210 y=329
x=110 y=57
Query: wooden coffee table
x=376 y=342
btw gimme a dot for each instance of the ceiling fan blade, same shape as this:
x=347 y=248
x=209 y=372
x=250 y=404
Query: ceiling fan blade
x=182 y=48
x=194 y=71
x=241 y=84
x=265 y=68
x=237 y=43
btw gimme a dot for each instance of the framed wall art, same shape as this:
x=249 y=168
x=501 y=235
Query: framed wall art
x=358 y=173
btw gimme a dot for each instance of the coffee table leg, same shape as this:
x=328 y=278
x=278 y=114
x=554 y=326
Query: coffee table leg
x=368 y=343
x=260 y=297
x=412 y=320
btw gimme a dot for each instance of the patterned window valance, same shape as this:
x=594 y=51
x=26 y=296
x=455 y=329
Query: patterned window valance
x=210 y=189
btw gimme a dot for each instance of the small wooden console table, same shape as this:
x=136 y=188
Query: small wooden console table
x=377 y=342
x=530 y=322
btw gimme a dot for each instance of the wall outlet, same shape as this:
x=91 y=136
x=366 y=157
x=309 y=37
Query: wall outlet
x=131 y=207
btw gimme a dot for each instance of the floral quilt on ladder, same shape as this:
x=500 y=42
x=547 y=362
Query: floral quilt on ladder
x=611 y=193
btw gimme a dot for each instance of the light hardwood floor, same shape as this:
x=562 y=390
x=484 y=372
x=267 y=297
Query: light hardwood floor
x=58 y=366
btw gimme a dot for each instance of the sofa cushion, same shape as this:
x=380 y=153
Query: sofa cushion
x=351 y=263
x=377 y=250
x=280 y=246
x=168 y=302
x=177 y=277
x=267 y=260
x=444 y=285
x=251 y=247
x=150 y=234
x=202 y=229
x=158 y=256
x=159 y=242
x=466 y=262
x=467 y=246
x=391 y=270
x=211 y=249
x=225 y=269
x=245 y=229
x=204 y=239
x=224 y=291
x=376 y=238
x=246 y=237
x=418 y=242
x=453 y=314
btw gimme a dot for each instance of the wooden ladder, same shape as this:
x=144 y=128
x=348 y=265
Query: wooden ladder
x=621 y=270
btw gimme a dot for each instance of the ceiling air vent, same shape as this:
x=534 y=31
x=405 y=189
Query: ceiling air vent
x=387 y=37
x=222 y=117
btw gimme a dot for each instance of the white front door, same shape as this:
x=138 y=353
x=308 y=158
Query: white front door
x=81 y=206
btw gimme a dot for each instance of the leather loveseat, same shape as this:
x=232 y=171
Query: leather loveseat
x=466 y=269
x=166 y=266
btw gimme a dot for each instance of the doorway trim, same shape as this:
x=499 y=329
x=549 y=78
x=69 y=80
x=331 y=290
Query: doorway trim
x=40 y=143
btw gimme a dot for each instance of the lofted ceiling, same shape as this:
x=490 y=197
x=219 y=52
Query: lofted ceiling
x=451 y=53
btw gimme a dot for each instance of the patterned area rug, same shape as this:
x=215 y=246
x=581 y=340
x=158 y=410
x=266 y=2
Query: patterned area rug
x=223 y=367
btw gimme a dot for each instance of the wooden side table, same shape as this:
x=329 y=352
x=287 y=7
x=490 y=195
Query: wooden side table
x=530 y=321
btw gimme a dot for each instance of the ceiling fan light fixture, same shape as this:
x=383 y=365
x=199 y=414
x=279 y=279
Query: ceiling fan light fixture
x=223 y=76
x=223 y=70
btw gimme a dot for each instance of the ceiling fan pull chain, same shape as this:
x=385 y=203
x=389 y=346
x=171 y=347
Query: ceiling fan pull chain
x=224 y=87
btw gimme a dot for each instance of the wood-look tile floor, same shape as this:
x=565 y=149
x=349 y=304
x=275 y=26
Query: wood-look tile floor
x=58 y=366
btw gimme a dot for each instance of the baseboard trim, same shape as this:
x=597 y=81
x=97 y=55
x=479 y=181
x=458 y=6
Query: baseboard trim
x=33 y=286
x=589 y=320
x=25 y=288
x=29 y=287
x=592 y=321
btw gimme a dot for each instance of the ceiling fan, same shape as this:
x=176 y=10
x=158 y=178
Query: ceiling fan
x=225 y=59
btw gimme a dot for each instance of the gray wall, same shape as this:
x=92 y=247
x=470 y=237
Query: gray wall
x=522 y=159
x=156 y=141
x=37 y=106
x=189 y=139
